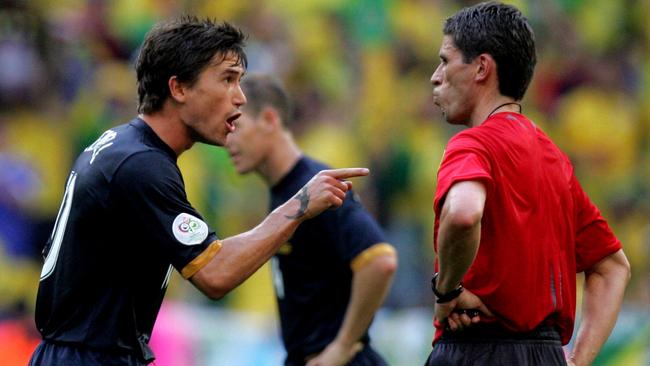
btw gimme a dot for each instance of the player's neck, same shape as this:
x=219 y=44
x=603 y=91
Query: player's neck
x=169 y=133
x=283 y=156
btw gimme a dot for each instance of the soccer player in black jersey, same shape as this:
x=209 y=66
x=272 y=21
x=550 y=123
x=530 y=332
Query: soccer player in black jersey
x=334 y=272
x=125 y=220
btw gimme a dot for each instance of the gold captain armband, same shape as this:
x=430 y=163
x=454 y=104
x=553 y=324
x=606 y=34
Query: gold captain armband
x=201 y=260
x=374 y=251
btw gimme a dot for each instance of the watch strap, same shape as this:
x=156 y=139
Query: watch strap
x=446 y=297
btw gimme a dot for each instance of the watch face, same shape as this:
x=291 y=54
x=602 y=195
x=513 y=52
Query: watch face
x=433 y=283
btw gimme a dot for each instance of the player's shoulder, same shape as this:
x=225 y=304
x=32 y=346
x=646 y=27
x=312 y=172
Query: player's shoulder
x=312 y=165
x=305 y=169
x=121 y=139
x=128 y=147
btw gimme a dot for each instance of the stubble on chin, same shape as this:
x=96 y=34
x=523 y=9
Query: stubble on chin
x=216 y=140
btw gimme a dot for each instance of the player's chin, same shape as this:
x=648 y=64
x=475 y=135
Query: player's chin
x=216 y=137
x=215 y=140
x=219 y=137
x=241 y=166
x=242 y=170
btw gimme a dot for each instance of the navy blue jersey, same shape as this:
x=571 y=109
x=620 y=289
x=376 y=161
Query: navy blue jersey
x=312 y=273
x=125 y=221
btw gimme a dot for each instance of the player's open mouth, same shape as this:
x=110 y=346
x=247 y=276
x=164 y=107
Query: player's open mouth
x=230 y=121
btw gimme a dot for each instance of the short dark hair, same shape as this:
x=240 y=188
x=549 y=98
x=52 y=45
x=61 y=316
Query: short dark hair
x=503 y=32
x=267 y=91
x=182 y=47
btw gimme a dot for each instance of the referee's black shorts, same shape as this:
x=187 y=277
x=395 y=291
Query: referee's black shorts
x=492 y=345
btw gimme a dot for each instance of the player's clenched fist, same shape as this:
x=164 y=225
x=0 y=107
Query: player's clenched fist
x=326 y=189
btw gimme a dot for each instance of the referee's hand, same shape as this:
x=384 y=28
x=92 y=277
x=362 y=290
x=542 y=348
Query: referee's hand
x=325 y=190
x=455 y=312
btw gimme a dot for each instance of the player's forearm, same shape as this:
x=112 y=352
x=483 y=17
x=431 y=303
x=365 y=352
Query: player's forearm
x=250 y=250
x=370 y=286
x=603 y=295
x=241 y=255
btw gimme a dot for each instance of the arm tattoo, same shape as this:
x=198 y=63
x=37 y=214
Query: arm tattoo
x=303 y=197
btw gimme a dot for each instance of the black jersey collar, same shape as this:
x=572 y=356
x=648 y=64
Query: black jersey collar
x=152 y=137
x=290 y=177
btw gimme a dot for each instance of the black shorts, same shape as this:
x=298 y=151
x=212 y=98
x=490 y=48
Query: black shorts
x=50 y=354
x=366 y=357
x=492 y=345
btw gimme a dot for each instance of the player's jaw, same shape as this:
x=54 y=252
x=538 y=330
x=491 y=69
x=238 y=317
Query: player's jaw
x=234 y=152
x=238 y=159
x=244 y=157
x=215 y=131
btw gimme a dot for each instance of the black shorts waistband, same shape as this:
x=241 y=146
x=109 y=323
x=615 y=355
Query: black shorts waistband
x=495 y=331
x=81 y=346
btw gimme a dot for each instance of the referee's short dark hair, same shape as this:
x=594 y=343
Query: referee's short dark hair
x=503 y=32
x=267 y=91
x=182 y=47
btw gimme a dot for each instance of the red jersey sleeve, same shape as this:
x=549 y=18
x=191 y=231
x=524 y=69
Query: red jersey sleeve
x=465 y=158
x=594 y=239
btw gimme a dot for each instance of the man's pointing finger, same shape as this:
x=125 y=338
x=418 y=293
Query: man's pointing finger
x=345 y=173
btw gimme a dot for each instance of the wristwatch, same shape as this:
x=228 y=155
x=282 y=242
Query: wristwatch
x=443 y=298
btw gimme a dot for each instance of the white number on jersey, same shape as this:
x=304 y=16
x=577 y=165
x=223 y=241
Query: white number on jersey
x=59 y=227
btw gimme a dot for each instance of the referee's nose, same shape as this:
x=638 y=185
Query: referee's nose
x=436 y=77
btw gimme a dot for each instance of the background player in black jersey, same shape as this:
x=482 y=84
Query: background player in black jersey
x=125 y=220
x=334 y=272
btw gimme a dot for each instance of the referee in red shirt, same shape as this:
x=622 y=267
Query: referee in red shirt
x=513 y=226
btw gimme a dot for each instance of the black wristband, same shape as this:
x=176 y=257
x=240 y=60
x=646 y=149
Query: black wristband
x=443 y=298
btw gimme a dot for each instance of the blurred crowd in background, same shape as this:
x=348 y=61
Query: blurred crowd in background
x=360 y=75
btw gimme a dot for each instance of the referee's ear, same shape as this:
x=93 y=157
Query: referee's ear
x=485 y=68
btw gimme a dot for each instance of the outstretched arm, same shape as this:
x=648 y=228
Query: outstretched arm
x=241 y=255
x=370 y=284
x=603 y=290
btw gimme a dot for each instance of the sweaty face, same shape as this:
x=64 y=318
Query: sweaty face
x=452 y=84
x=212 y=104
x=246 y=145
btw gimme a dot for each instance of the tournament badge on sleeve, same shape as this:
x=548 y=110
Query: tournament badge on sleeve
x=189 y=230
